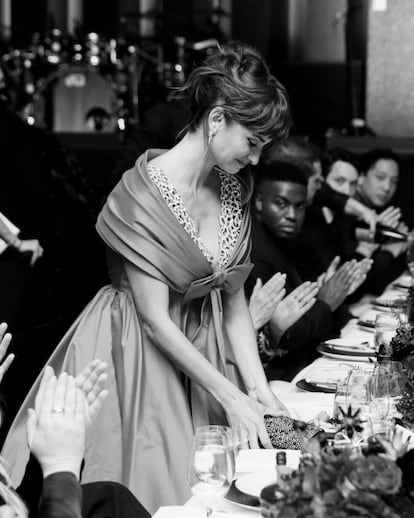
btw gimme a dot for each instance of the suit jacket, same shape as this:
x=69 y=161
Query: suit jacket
x=271 y=255
x=60 y=495
x=385 y=267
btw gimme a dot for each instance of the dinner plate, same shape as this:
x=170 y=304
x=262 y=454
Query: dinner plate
x=313 y=386
x=347 y=355
x=368 y=325
x=390 y=304
x=253 y=483
x=400 y=286
x=235 y=496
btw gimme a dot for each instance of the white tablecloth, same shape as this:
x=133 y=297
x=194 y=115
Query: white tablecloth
x=302 y=405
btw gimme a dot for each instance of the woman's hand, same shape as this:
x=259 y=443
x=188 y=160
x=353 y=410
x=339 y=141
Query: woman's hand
x=265 y=298
x=56 y=427
x=245 y=415
x=267 y=397
x=5 y=339
x=293 y=307
x=32 y=246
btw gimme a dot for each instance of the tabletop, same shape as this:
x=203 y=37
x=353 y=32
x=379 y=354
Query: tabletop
x=301 y=405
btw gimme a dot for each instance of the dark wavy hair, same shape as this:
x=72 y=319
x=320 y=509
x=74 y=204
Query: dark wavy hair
x=237 y=79
x=334 y=155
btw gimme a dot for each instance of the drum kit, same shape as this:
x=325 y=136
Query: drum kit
x=90 y=83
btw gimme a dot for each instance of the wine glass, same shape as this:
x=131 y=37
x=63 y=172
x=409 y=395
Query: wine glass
x=233 y=442
x=386 y=325
x=211 y=467
x=410 y=256
x=380 y=398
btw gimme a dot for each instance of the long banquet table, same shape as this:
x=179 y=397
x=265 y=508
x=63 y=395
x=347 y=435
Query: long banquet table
x=301 y=405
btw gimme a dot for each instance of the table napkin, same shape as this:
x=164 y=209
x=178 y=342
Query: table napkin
x=249 y=461
x=188 y=511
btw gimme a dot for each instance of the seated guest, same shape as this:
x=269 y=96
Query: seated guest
x=319 y=192
x=378 y=181
x=327 y=233
x=279 y=210
x=56 y=430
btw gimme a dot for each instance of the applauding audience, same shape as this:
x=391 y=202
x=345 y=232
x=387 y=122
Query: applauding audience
x=280 y=207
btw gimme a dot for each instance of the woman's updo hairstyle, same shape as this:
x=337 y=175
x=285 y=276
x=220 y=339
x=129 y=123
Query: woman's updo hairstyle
x=237 y=78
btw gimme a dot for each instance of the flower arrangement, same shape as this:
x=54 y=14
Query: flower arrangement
x=402 y=350
x=376 y=481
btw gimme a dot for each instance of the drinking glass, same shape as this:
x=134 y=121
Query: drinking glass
x=380 y=399
x=388 y=381
x=410 y=257
x=386 y=325
x=354 y=391
x=211 y=467
x=233 y=442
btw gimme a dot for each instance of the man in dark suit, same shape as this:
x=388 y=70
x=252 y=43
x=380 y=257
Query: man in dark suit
x=279 y=211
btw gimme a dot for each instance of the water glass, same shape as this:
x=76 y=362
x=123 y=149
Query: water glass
x=211 y=467
x=354 y=391
x=388 y=381
x=233 y=441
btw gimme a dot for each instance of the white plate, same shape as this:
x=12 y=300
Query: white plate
x=253 y=483
x=345 y=357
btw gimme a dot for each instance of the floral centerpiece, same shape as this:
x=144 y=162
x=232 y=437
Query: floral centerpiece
x=402 y=350
x=376 y=481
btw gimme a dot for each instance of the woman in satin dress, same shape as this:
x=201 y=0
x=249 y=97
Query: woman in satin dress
x=174 y=323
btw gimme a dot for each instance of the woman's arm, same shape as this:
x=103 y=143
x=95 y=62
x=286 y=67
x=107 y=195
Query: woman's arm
x=151 y=298
x=239 y=329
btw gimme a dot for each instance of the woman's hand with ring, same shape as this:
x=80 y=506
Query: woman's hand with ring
x=56 y=437
x=245 y=415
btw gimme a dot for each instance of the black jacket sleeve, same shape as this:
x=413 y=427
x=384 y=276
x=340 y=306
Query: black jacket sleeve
x=328 y=197
x=61 y=497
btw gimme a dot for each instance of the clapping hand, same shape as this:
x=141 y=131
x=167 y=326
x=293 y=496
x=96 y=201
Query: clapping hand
x=335 y=290
x=390 y=217
x=56 y=427
x=91 y=381
x=361 y=270
x=265 y=298
x=293 y=307
x=333 y=266
x=5 y=339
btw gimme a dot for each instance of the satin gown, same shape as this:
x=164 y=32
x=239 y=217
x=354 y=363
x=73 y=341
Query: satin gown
x=143 y=434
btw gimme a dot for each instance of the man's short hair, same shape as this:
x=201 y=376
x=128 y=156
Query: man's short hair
x=283 y=170
x=368 y=159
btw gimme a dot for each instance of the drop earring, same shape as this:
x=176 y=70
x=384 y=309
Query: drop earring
x=212 y=133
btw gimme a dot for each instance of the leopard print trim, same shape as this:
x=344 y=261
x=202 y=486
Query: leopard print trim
x=230 y=219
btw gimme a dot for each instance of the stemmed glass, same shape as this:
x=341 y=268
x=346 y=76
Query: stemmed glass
x=211 y=466
x=410 y=257
x=380 y=399
x=233 y=442
x=386 y=325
